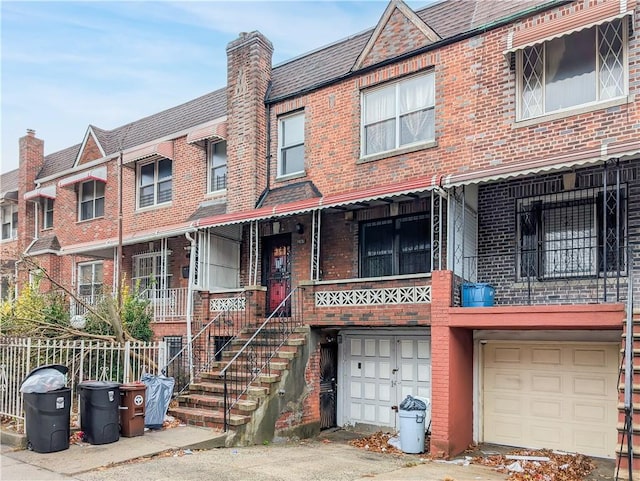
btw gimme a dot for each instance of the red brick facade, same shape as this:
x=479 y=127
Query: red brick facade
x=479 y=141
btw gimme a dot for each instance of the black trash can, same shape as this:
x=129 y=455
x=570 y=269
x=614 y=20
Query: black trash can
x=47 y=416
x=99 y=411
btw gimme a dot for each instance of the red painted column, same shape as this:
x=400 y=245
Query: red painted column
x=451 y=374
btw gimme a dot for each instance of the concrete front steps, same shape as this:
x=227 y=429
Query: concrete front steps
x=203 y=405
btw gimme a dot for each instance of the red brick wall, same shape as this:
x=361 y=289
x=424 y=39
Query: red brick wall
x=31 y=161
x=475 y=121
x=90 y=152
x=248 y=76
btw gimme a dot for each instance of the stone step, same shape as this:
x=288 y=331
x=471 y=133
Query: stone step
x=207 y=417
x=636 y=429
x=217 y=402
x=269 y=378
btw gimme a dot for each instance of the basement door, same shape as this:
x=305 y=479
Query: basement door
x=378 y=372
x=551 y=395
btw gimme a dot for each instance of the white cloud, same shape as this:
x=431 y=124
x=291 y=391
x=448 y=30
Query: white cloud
x=66 y=65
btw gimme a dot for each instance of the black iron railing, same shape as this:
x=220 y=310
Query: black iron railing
x=208 y=344
x=255 y=356
x=574 y=275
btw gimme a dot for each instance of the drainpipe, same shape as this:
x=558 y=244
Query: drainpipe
x=192 y=262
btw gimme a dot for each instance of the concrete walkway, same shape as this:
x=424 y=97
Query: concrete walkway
x=185 y=453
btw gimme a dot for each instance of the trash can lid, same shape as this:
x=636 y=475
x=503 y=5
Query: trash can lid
x=98 y=384
x=133 y=386
x=57 y=367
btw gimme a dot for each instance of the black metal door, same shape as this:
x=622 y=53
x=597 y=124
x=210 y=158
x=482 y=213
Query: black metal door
x=328 y=384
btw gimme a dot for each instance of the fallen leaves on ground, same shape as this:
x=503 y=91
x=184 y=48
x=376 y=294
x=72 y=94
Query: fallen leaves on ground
x=377 y=442
x=560 y=467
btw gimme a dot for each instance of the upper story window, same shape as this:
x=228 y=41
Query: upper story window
x=47 y=213
x=572 y=234
x=398 y=115
x=583 y=68
x=217 y=154
x=9 y=214
x=91 y=199
x=395 y=246
x=90 y=280
x=291 y=144
x=154 y=183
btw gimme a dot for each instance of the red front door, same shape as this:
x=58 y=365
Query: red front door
x=277 y=264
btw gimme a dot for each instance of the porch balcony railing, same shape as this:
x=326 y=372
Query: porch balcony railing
x=576 y=275
x=208 y=344
x=79 y=306
x=167 y=304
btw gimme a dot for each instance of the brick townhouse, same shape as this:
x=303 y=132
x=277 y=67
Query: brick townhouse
x=447 y=203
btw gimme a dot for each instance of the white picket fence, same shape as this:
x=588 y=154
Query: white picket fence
x=85 y=360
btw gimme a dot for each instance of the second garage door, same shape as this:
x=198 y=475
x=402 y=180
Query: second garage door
x=378 y=372
x=551 y=395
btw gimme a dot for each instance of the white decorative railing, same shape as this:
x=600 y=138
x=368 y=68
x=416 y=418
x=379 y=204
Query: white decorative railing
x=227 y=304
x=86 y=360
x=374 y=297
x=80 y=309
x=167 y=303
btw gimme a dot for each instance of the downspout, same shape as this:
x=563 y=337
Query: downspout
x=192 y=261
x=268 y=119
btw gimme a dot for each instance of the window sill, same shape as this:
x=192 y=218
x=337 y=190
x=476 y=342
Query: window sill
x=149 y=208
x=574 y=111
x=215 y=194
x=392 y=153
x=296 y=175
x=89 y=220
x=10 y=239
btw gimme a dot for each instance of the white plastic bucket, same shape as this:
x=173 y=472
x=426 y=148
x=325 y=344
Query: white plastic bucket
x=412 y=431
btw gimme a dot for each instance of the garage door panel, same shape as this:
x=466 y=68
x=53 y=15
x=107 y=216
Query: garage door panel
x=384 y=369
x=505 y=355
x=546 y=357
x=559 y=397
x=542 y=407
x=550 y=383
x=504 y=381
x=593 y=386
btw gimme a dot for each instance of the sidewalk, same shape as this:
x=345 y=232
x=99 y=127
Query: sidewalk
x=29 y=465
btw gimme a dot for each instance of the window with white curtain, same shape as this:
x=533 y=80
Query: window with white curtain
x=399 y=114
x=582 y=68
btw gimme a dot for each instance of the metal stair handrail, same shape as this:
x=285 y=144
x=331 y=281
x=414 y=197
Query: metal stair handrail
x=288 y=315
x=202 y=366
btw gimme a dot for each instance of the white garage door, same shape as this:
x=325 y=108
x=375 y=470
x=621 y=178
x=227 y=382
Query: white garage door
x=378 y=372
x=551 y=395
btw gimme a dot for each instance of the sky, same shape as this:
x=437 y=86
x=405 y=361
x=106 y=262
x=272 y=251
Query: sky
x=65 y=65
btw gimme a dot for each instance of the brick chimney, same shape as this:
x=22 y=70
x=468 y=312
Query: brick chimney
x=31 y=161
x=248 y=77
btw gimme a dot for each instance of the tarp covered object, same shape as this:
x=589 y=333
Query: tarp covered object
x=158 y=397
